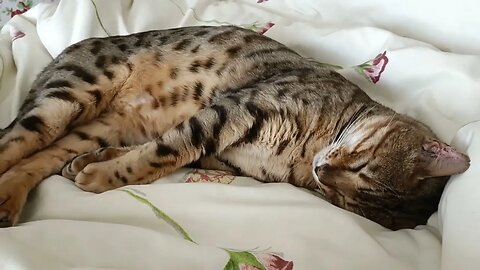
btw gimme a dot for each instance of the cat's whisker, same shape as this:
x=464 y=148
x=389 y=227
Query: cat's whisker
x=391 y=119
x=352 y=127
x=386 y=187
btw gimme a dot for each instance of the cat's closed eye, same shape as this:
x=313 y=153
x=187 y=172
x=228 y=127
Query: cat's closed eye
x=358 y=167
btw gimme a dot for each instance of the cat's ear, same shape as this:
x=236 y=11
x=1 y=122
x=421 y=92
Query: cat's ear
x=440 y=159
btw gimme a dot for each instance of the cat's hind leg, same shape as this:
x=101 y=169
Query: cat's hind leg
x=51 y=115
x=17 y=182
x=209 y=132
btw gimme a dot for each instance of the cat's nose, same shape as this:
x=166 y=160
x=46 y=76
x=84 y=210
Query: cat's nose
x=322 y=168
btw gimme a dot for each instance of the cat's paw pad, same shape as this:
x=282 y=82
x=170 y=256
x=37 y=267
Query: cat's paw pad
x=72 y=169
x=12 y=200
x=98 y=177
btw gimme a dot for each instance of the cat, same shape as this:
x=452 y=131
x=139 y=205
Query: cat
x=125 y=110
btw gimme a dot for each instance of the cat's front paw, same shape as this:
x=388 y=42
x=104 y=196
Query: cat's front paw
x=98 y=177
x=12 y=199
x=72 y=169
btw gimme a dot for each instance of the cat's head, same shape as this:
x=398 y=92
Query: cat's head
x=388 y=168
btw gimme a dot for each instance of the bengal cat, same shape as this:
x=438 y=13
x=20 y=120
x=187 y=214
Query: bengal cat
x=127 y=110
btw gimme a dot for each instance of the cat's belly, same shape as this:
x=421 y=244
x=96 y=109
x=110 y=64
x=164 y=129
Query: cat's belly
x=259 y=162
x=262 y=163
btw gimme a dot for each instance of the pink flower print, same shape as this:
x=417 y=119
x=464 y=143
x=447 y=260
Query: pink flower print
x=262 y=30
x=22 y=6
x=16 y=35
x=373 y=69
x=259 y=29
x=213 y=176
x=274 y=262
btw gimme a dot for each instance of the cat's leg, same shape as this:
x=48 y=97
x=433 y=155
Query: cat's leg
x=102 y=154
x=210 y=131
x=53 y=112
x=17 y=182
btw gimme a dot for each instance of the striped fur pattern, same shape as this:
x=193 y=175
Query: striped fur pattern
x=125 y=110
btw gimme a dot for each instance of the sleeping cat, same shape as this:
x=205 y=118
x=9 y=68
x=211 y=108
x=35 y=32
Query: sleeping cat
x=125 y=110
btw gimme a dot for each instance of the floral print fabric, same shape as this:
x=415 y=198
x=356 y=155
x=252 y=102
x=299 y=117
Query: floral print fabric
x=10 y=8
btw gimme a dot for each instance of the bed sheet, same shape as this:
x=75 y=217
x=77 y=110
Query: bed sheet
x=421 y=62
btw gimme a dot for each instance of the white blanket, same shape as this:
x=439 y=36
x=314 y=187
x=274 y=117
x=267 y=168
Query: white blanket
x=432 y=73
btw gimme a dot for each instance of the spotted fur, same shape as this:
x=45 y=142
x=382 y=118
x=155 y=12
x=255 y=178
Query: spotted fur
x=124 y=110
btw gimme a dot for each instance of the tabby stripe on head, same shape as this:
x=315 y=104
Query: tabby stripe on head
x=58 y=84
x=385 y=136
x=61 y=94
x=80 y=73
x=32 y=123
x=198 y=134
x=360 y=143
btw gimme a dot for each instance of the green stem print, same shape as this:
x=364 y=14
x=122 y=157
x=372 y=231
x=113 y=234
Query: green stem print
x=98 y=18
x=159 y=213
x=239 y=260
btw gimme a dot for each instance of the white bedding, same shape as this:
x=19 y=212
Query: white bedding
x=433 y=74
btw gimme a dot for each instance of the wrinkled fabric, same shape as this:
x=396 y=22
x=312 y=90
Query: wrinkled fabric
x=419 y=58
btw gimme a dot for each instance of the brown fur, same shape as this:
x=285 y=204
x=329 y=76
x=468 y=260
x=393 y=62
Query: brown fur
x=130 y=109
